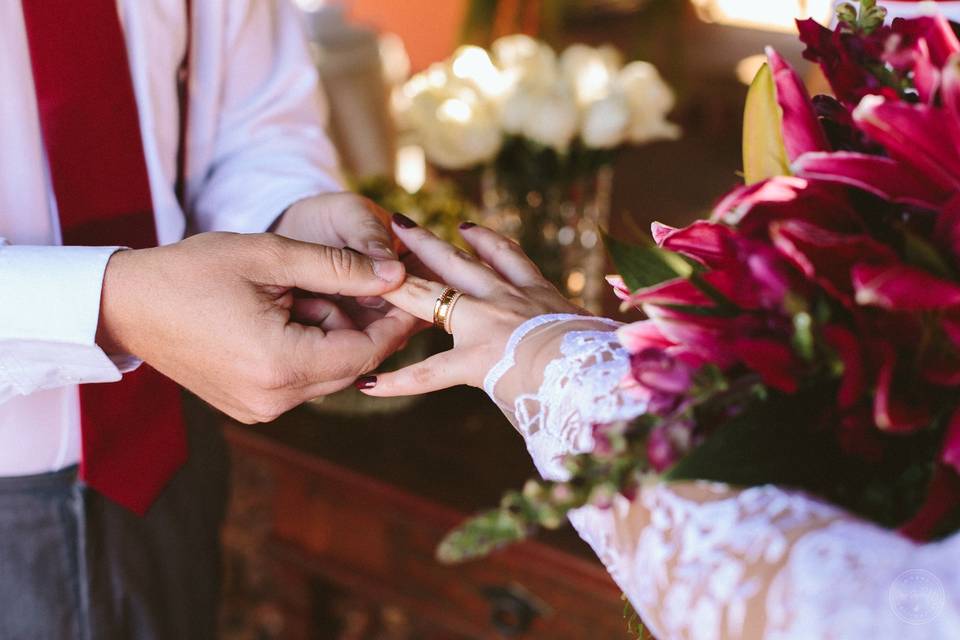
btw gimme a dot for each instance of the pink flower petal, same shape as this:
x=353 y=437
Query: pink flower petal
x=825 y=256
x=637 y=336
x=924 y=138
x=951 y=442
x=894 y=409
x=751 y=208
x=772 y=359
x=802 y=132
x=950 y=85
x=707 y=242
x=935 y=31
x=620 y=288
x=883 y=177
x=853 y=383
x=678 y=291
x=902 y=288
x=943 y=496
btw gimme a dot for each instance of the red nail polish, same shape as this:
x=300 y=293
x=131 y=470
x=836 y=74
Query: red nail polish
x=403 y=221
x=366 y=382
x=467 y=225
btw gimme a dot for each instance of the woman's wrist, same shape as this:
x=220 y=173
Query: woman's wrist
x=540 y=335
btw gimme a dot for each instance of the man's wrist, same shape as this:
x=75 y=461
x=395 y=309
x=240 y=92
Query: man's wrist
x=115 y=309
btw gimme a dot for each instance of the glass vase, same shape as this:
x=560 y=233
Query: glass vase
x=559 y=227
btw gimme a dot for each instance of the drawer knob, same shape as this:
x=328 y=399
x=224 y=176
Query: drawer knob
x=511 y=610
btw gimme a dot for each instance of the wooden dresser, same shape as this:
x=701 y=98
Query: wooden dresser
x=334 y=521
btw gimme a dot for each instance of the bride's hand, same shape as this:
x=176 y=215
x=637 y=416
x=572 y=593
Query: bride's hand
x=501 y=289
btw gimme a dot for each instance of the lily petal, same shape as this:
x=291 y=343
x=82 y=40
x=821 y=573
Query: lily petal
x=951 y=442
x=883 y=177
x=753 y=207
x=900 y=287
x=620 y=288
x=950 y=85
x=825 y=256
x=894 y=409
x=802 y=132
x=853 y=383
x=707 y=242
x=935 y=31
x=925 y=138
x=637 y=336
x=772 y=359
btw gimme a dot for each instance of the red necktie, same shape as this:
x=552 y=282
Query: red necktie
x=133 y=432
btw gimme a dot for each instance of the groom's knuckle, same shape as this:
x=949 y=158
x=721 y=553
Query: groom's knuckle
x=266 y=407
x=342 y=265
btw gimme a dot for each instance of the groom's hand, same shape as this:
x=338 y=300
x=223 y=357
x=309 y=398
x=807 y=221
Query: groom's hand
x=217 y=314
x=344 y=220
x=340 y=220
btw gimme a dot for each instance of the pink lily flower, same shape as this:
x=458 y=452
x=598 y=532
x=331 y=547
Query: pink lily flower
x=802 y=132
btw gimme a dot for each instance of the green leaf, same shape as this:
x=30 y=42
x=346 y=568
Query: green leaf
x=643 y=266
x=923 y=254
x=770 y=442
x=480 y=535
x=764 y=154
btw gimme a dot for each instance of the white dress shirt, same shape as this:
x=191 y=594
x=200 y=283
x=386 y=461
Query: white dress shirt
x=255 y=146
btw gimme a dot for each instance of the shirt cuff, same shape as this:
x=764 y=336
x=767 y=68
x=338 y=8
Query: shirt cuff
x=49 y=311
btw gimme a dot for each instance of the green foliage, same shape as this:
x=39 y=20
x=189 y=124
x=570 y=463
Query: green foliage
x=866 y=21
x=635 y=626
x=643 y=266
x=646 y=265
x=438 y=206
x=595 y=479
x=481 y=535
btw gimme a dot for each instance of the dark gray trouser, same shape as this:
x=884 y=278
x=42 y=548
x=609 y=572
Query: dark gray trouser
x=75 y=566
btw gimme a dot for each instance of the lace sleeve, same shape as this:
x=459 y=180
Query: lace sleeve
x=553 y=405
x=706 y=561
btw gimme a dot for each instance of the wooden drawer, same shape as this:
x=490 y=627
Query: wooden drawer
x=376 y=542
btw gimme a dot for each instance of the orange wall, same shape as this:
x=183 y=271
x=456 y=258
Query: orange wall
x=429 y=28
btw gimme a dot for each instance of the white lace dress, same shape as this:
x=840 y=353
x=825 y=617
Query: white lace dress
x=704 y=560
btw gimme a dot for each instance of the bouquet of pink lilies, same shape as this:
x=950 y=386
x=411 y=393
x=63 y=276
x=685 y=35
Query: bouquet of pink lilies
x=807 y=334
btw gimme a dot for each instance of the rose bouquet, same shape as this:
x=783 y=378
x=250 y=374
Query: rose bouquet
x=566 y=112
x=807 y=334
x=543 y=130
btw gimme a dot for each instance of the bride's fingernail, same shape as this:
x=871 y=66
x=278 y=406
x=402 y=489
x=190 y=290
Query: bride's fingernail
x=403 y=221
x=467 y=225
x=366 y=382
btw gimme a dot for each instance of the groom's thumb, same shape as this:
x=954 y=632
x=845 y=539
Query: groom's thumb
x=328 y=270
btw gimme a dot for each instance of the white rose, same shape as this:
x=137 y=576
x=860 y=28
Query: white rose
x=464 y=134
x=590 y=71
x=650 y=100
x=552 y=118
x=525 y=59
x=453 y=122
x=516 y=109
x=605 y=122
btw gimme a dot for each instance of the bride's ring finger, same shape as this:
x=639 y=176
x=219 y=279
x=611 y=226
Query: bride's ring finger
x=426 y=300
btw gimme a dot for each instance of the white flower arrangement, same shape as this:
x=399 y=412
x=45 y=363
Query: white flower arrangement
x=462 y=110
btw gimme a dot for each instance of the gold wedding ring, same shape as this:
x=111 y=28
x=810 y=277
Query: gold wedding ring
x=443 y=309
